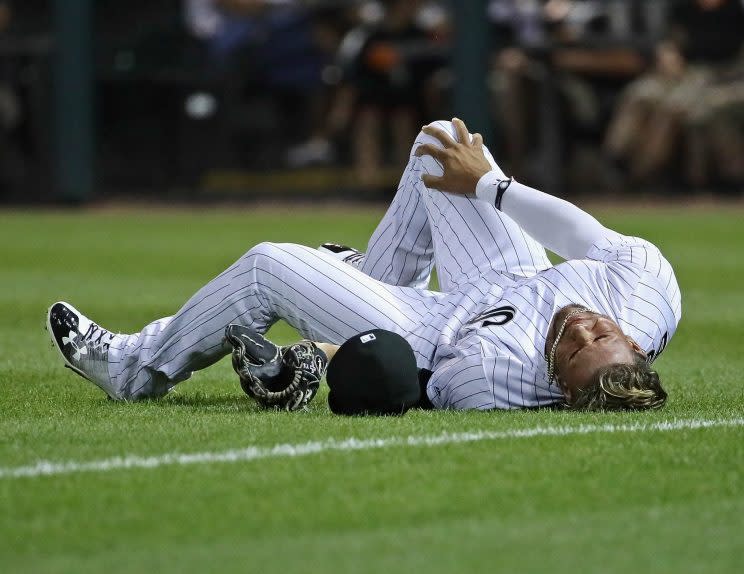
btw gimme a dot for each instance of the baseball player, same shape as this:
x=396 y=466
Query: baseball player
x=506 y=330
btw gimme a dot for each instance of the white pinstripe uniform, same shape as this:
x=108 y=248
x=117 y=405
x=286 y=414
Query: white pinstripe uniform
x=483 y=335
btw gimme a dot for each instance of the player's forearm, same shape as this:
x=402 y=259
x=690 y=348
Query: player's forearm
x=557 y=224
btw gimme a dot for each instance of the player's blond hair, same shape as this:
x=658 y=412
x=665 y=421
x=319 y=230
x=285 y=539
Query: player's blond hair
x=622 y=386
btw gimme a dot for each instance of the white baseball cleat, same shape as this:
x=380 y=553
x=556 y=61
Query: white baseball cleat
x=83 y=344
x=343 y=253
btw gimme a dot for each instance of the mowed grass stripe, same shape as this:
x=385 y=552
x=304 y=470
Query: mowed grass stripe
x=251 y=453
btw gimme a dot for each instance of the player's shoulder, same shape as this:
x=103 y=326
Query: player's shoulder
x=636 y=265
x=629 y=250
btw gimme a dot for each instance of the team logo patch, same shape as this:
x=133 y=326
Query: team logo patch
x=653 y=354
x=495 y=317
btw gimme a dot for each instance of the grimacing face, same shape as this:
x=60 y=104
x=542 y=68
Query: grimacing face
x=590 y=341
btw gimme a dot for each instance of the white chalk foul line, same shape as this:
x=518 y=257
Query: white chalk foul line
x=48 y=468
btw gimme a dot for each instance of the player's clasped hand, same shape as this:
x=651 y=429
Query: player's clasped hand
x=463 y=161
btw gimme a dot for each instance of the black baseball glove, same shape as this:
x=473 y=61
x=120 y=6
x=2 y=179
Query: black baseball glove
x=285 y=378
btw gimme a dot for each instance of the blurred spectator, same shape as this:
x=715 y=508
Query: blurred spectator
x=276 y=48
x=716 y=136
x=714 y=130
x=694 y=84
x=390 y=74
x=11 y=162
x=5 y=15
x=9 y=111
x=517 y=26
x=272 y=39
x=579 y=49
x=386 y=67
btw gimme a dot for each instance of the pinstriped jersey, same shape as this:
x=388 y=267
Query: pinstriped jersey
x=491 y=353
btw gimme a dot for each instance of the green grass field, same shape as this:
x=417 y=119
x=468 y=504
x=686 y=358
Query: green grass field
x=637 y=500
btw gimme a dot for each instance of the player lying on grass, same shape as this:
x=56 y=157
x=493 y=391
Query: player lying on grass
x=506 y=330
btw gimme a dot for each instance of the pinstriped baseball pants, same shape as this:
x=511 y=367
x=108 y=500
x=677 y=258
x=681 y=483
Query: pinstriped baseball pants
x=327 y=300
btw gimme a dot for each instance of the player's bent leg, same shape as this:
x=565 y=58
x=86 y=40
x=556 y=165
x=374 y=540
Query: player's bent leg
x=325 y=299
x=472 y=238
x=400 y=250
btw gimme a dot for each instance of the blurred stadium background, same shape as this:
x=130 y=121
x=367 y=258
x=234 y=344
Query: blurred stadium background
x=200 y=99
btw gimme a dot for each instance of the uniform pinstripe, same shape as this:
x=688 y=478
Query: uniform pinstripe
x=484 y=261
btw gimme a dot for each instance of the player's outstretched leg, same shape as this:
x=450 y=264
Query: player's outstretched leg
x=324 y=299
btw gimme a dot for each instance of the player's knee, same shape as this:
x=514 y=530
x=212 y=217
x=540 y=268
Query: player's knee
x=430 y=164
x=263 y=250
x=422 y=138
x=269 y=253
x=444 y=125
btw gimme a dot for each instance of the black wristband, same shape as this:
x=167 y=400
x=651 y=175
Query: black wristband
x=501 y=188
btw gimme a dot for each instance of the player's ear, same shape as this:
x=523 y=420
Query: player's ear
x=636 y=347
x=565 y=388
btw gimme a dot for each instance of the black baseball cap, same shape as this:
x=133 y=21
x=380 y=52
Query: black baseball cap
x=373 y=373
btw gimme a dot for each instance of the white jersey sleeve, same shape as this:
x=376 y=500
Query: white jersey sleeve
x=644 y=286
x=554 y=222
